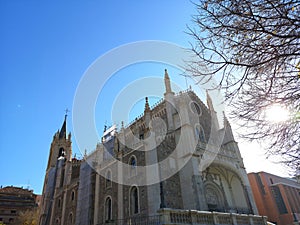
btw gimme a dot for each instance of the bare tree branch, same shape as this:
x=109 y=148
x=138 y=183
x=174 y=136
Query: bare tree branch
x=253 y=47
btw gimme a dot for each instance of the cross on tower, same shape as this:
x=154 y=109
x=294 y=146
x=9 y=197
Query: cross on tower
x=67 y=110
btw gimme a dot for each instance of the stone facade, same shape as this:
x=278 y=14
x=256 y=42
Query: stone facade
x=176 y=155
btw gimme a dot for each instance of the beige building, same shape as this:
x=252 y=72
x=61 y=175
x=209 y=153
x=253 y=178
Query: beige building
x=13 y=201
x=176 y=163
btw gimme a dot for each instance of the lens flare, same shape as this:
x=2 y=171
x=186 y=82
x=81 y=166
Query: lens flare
x=277 y=113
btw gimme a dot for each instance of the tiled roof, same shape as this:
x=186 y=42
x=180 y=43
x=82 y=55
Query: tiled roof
x=15 y=190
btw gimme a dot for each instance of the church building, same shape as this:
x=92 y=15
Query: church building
x=174 y=164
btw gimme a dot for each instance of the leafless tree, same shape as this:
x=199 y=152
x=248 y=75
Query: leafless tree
x=252 y=47
x=28 y=217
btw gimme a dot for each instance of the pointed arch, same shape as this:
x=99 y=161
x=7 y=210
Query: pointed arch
x=230 y=181
x=70 y=219
x=59 y=203
x=214 y=197
x=199 y=133
x=108 y=208
x=133 y=165
x=134 y=207
x=61 y=152
x=73 y=196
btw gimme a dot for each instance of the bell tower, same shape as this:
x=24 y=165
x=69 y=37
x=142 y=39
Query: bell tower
x=60 y=146
x=56 y=178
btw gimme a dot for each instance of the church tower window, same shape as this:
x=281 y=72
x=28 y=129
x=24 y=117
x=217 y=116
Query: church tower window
x=73 y=195
x=108 y=209
x=71 y=219
x=133 y=165
x=61 y=152
x=134 y=201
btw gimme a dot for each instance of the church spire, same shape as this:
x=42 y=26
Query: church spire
x=209 y=102
x=63 y=130
x=167 y=82
x=225 y=121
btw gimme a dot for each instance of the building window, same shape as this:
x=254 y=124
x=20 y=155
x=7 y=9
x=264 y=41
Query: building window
x=200 y=133
x=260 y=184
x=108 y=209
x=134 y=201
x=71 y=219
x=61 y=152
x=73 y=195
x=133 y=165
x=58 y=203
x=279 y=200
x=13 y=211
x=141 y=136
x=108 y=179
x=195 y=108
x=133 y=161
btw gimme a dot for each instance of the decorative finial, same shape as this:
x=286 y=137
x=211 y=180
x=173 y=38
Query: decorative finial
x=147 y=107
x=167 y=82
x=209 y=102
x=122 y=124
x=166 y=74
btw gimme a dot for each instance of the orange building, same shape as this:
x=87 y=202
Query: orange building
x=276 y=197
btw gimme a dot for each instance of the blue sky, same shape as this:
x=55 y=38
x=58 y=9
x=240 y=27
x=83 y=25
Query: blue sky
x=46 y=46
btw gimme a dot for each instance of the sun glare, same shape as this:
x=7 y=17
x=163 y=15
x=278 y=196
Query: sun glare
x=276 y=113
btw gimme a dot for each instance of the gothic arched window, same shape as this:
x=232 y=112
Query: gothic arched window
x=133 y=165
x=133 y=161
x=200 y=133
x=195 y=108
x=58 y=204
x=73 y=196
x=61 y=152
x=134 y=200
x=71 y=219
x=108 y=209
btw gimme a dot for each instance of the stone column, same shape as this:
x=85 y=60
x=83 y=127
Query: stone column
x=199 y=191
x=232 y=196
x=120 y=191
x=96 y=203
x=152 y=173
